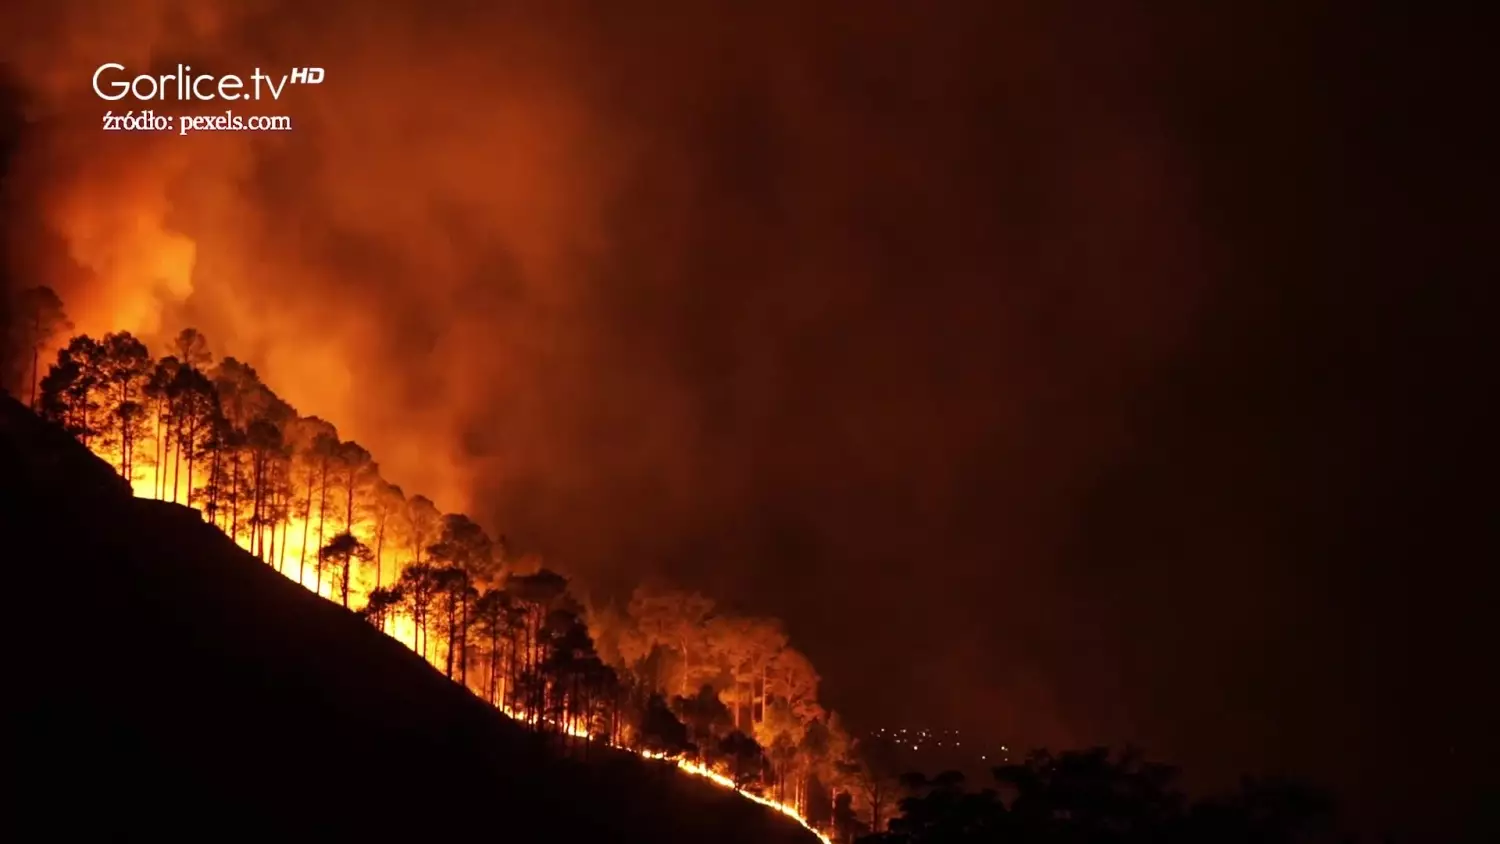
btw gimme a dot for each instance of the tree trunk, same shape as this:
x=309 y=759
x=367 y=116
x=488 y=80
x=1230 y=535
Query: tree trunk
x=306 y=523
x=452 y=635
x=286 y=524
x=164 y=450
x=213 y=489
x=271 y=522
x=510 y=669
x=463 y=633
x=262 y=502
x=349 y=504
x=739 y=705
x=379 y=546
x=233 y=516
x=88 y=422
x=462 y=654
x=322 y=510
x=763 y=675
x=192 y=439
x=494 y=660
x=124 y=445
x=175 y=450
x=156 y=483
x=36 y=354
x=172 y=451
x=257 y=491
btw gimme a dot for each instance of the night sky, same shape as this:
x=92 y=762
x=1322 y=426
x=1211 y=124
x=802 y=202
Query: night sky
x=1061 y=374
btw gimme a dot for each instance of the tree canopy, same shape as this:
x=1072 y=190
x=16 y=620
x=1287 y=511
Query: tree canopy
x=669 y=673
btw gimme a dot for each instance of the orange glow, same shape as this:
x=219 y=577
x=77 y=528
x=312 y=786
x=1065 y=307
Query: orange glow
x=725 y=782
x=146 y=485
x=703 y=771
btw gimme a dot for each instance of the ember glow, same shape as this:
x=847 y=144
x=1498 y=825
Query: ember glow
x=285 y=547
x=725 y=782
x=989 y=319
x=699 y=770
x=287 y=490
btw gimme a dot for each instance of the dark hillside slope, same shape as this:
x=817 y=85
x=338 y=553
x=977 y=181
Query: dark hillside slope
x=169 y=682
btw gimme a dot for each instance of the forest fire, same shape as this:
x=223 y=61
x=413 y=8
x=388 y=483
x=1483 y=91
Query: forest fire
x=697 y=769
x=700 y=770
x=723 y=697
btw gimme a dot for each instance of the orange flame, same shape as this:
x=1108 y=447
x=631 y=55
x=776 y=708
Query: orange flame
x=403 y=629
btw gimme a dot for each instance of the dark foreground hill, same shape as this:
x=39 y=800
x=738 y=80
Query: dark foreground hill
x=163 y=681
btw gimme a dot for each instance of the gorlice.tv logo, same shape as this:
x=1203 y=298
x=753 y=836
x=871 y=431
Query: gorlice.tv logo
x=112 y=82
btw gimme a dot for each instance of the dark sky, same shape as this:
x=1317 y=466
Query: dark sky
x=1063 y=373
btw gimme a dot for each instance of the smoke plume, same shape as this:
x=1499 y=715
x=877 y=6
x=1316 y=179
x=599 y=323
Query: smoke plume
x=877 y=321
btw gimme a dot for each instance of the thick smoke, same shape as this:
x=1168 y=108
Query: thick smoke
x=863 y=319
x=395 y=263
x=786 y=305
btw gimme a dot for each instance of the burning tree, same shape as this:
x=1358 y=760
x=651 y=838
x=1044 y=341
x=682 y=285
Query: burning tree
x=72 y=389
x=194 y=412
x=308 y=439
x=39 y=317
x=875 y=779
x=746 y=648
x=419 y=586
x=706 y=717
x=660 y=731
x=381 y=602
x=342 y=551
x=464 y=554
x=268 y=457
x=256 y=467
x=323 y=451
x=357 y=475
x=581 y=689
x=538 y=595
x=673 y=621
x=159 y=398
x=388 y=512
x=496 y=620
x=192 y=349
x=424 y=522
x=747 y=762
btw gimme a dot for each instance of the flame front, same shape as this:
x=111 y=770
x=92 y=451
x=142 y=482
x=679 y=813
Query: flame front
x=287 y=552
